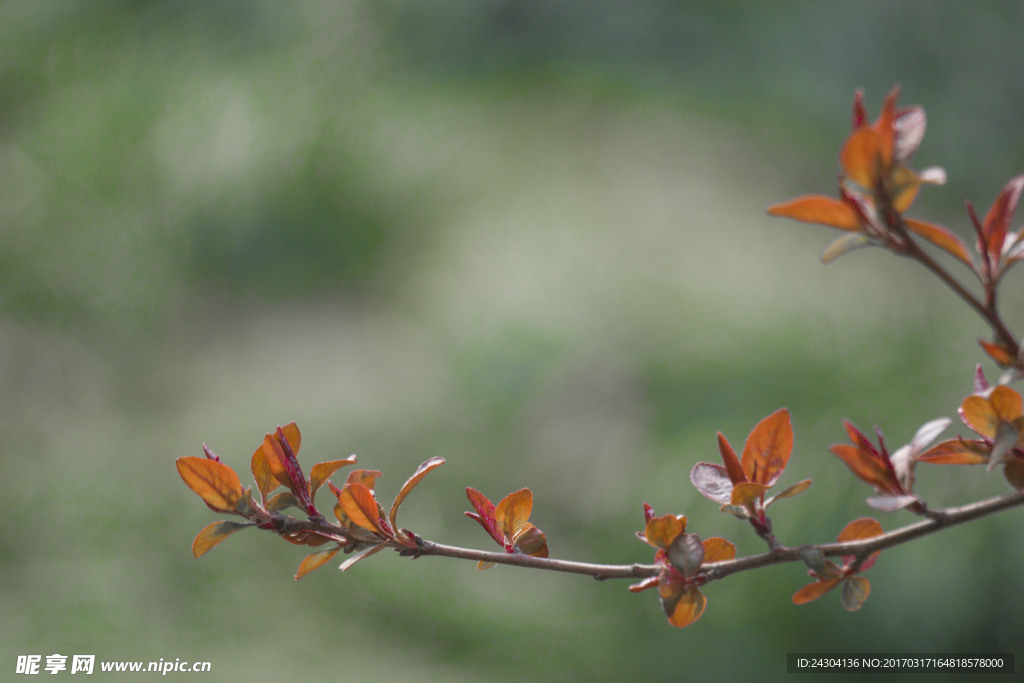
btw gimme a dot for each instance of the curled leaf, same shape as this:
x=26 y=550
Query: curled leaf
x=682 y=604
x=686 y=553
x=712 y=481
x=813 y=591
x=411 y=483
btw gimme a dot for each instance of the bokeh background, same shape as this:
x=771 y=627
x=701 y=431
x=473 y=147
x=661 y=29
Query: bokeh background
x=528 y=237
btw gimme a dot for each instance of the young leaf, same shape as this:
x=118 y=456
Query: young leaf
x=682 y=604
x=793 y=490
x=322 y=471
x=818 y=209
x=360 y=507
x=941 y=237
x=813 y=591
x=315 y=561
x=768 y=448
x=997 y=221
x=843 y=245
x=746 y=493
x=732 y=464
x=686 y=553
x=359 y=555
x=410 y=484
x=718 y=550
x=212 y=534
x=958 y=451
x=855 y=591
x=712 y=481
x=484 y=514
x=661 y=531
x=214 y=482
x=513 y=512
x=859 y=529
x=265 y=480
x=532 y=541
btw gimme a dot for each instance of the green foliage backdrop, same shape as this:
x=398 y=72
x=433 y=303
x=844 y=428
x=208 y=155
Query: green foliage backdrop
x=525 y=237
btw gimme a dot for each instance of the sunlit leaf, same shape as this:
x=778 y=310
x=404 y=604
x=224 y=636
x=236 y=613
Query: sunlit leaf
x=941 y=237
x=1006 y=403
x=661 y=531
x=214 y=482
x=718 y=550
x=322 y=471
x=360 y=507
x=793 y=490
x=712 y=481
x=265 y=480
x=861 y=156
x=212 y=534
x=411 y=482
x=367 y=478
x=484 y=515
x=315 y=561
x=768 y=447
x=859 y=529
x=818 y=209
x=855 y=591
x=682 y=604
x=747 y=493
x=686 y=553
x=813 y=591
x=513 y=511
x=979 y=414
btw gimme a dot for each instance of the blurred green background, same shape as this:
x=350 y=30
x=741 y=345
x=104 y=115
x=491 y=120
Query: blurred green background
x=526 y=236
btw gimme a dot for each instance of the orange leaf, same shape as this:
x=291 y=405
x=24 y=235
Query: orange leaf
x=957 y=451
x=818 y=209
x=513 y=512
x=768 y=448
x=360 y=507
x=718 y=550
x=793 y=490
x=214 y=482
x=746 y=493
x=863 y=464
x=367 y=478
x=265 y=480
x=1007 y=403
x=411 y=483
x=813 y=591
x=941 y=237
x=858 y=529
x=885 y=126
x=322 y=471
x=732 y=463
x=682 y=605
x=862 y=156
x=315 y=561
x=998 y=353
x=978 y=413
x=661 y=531
x=212 y=534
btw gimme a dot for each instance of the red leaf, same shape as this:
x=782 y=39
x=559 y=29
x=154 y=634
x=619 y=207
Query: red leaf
x=732 y=463
x=997 y=221
x=485 y=515
x=998 y=353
